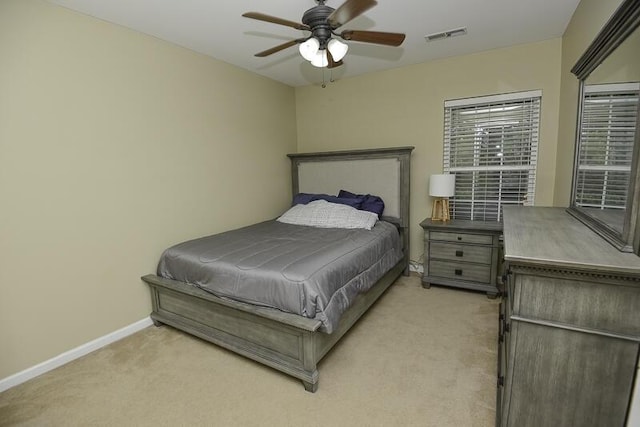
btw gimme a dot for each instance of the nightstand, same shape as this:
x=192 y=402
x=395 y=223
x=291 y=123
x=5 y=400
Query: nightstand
x=462 y=254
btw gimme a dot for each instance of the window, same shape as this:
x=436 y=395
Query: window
x=491 y=145
x=607 y=133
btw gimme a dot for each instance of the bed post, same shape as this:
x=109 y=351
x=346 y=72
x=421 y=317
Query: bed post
x=310 y=362
x=405 y=196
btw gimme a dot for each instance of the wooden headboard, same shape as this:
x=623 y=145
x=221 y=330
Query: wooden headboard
x=384 y=172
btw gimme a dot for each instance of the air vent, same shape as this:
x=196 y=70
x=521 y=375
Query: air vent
x=446 y=34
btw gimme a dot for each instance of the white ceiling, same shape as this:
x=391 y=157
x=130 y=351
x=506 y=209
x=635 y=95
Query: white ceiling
x=216 y=28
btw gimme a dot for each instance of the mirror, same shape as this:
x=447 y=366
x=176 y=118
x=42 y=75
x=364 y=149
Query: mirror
x=605 y=179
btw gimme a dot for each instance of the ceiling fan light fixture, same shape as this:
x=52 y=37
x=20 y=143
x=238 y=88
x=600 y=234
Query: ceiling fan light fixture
x=320 y=60
x=309 y=49
x=322 y=21
x=338 y=49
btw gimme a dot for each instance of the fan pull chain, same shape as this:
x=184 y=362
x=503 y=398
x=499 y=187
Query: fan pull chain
x=331 y=79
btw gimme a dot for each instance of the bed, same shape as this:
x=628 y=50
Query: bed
x=292 y=341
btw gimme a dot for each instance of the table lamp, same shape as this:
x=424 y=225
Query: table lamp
x=441 y=187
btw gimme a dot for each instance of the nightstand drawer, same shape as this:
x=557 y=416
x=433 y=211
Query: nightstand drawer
x=482 y=239
x=479 y=254
x=453 y=270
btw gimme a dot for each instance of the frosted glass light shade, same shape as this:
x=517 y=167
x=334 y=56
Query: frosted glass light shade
x=309 y=49
x=442 y=185
x=320 y=60
x=338 y=49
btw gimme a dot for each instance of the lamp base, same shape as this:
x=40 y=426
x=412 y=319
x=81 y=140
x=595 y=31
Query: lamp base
x=440 y=211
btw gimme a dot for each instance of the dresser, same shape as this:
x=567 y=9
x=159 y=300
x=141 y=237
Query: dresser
x=462 y=254
x=569 y=324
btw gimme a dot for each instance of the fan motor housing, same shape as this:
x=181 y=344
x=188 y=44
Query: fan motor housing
x=316 y=19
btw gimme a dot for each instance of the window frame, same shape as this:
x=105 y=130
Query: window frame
x=478 y=208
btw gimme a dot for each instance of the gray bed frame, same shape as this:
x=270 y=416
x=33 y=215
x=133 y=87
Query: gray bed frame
x=287 y=342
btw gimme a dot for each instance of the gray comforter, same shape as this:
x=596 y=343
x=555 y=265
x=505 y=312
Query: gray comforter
x=312 y=272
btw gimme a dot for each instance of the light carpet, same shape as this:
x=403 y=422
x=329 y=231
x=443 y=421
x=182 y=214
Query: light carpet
x=418 y=357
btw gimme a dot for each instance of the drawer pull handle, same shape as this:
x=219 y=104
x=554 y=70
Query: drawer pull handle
x=458 y=272
x=459 y=237
x=500 y=381
x=459 y=253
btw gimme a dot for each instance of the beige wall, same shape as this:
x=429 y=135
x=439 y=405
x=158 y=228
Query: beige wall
x=405 y=106
x=589 y=17
x=114 y=145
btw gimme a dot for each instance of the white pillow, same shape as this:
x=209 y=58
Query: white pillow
x=323 y=214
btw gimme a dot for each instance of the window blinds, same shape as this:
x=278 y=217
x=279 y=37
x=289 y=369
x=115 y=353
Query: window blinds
x=491 y=145
x=607 y=132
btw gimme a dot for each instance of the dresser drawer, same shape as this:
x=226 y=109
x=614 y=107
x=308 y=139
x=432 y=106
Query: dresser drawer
x=481 y=239
x=578 y=300
x=453 y=270
x=479 y=254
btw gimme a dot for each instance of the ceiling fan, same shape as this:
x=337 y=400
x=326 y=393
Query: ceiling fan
x=321 y=48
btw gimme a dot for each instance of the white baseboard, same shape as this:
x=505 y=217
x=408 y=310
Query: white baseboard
x=75 y=353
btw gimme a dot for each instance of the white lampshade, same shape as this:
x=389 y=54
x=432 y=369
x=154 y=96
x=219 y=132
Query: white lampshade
x=338 y=49
x=442 y=185
x=320 y=59
x=309 y=49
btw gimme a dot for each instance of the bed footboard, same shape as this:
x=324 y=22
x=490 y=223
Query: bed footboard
x=289 y=343
x=280 y=340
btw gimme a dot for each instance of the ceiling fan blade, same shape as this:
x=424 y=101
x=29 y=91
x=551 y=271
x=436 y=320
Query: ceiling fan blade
x=389 y=39
x=349 y=10
x=331 y=62
x=274 y=20
x=279 y=48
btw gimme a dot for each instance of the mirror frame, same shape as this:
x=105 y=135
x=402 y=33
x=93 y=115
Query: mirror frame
x=624 y=21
